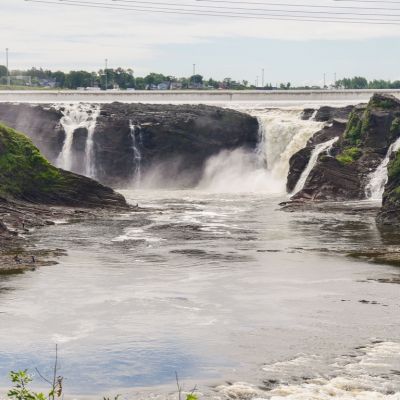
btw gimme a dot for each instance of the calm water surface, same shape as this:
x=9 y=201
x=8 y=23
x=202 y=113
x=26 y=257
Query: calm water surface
x=218 y=287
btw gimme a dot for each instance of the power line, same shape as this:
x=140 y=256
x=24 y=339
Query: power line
x=279 y=17
x=298 y=5
x=238 y=13
x=371 y=1
x=256 y=9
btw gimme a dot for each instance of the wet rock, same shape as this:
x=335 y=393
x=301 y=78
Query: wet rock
x=362 y=146
x=299 y=161
x=326 y=113
x=176 y=139
x=40 y=122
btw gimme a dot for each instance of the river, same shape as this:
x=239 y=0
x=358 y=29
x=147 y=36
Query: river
x=216 y=283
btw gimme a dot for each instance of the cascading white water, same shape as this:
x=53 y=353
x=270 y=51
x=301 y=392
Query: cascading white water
x=378 y=179
x=90 y=165
x=76 y=116
x=319 y=149
x=282 y=134
x=137 y=155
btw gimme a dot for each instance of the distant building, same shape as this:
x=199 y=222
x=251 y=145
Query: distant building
x=194 y=85
x=48 y=82
x=164 y=85
x=176 y=85
x=21 y=80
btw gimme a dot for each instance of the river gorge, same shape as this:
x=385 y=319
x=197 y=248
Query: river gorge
x=215 y=275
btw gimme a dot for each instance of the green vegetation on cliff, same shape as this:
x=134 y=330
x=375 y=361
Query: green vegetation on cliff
x=349 y=155
x=26 y=175
x=23 y=170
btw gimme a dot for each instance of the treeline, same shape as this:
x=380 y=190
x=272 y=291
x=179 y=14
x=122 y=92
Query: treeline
x=121 y=78
x=358 y=82
x=113 y=78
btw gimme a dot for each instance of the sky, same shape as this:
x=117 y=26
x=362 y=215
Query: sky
x=64 y=37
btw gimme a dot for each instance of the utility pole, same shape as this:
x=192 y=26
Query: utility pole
x=335 y=79
x=105 y=72
x=8 y=72
x=324 y=80
x=194 y=69
x=256 y=81
x=262 y=78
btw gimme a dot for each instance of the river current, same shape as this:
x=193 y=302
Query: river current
x=217 y=284
x=218 y=287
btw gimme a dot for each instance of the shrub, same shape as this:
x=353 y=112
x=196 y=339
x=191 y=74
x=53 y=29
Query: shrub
x=394 y=166
x=354 y=129
x=349 y=155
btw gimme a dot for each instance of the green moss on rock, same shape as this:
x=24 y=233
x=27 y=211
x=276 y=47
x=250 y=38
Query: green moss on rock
x=349 y=155
x=23 y=169
x=354 y=129
x=394 y=167
x=383 y=102
x=26 y=175
x=395 y=127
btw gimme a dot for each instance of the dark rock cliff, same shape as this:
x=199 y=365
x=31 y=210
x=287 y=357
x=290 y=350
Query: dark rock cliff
x=175 y=139
x=360 y=149
x=390 y=211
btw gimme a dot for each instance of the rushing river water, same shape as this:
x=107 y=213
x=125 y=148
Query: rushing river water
x=218 y=287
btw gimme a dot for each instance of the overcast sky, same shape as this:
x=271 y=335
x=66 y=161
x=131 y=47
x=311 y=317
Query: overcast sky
x=65 y=37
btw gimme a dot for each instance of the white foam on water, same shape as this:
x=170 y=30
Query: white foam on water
x=372 y=374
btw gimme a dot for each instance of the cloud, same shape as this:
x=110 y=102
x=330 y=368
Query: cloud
x=67 y=37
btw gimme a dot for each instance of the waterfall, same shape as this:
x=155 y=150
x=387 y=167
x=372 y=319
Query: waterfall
x=90 y=164
x=281 y=134
x=77 y=116
x=319 y=149
x=137 y=156
x=378 y=179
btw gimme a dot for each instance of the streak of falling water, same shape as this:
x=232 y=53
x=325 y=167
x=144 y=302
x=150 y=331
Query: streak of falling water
x=77 y=116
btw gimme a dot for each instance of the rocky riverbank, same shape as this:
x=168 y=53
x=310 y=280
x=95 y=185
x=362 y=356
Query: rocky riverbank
x=33 y=194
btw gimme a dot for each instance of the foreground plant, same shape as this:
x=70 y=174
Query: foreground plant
x=20 y=391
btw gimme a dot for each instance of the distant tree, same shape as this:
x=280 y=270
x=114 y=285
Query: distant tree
x=76 y=79
x=124 y=78
x=140 y=83
x=155 y=79
x=3 y=70
x=212 y=83
x=60 y=77
x=359 y=82
x=394 y=85
x=285 y=86
x=196 y=79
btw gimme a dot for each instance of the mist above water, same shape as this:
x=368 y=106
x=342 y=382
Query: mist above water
x=282 y=133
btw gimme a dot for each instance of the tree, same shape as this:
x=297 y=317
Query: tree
x=3 y=70
x=77 y=79
x=196 y=79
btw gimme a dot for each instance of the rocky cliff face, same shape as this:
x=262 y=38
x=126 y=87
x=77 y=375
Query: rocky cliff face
x=25 y=175
x=362 y=146
x=390 y=211
x=132 y=139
